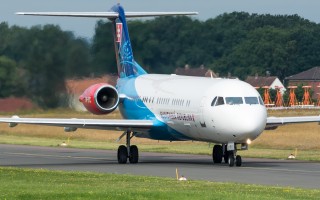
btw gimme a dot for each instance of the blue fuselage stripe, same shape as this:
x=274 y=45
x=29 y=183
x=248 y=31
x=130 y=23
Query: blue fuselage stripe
x=132 y=107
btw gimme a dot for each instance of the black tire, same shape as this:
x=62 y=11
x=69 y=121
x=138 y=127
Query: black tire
x=238 y=161
x=231 y=160
x=226 y=155
x=134 y=154
x=217 y=154
x=122 y=154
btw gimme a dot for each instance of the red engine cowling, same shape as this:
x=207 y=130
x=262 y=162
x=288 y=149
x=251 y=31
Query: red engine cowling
x=100 y=98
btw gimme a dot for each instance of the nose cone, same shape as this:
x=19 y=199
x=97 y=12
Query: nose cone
x=243 y=122
x=241 y=117
x=249 y=123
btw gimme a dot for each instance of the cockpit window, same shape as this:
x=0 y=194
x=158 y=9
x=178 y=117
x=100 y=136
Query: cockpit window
x=251 y=100
x=260 y=101
x=220 y=101
x=214 y=101
x=234 y=100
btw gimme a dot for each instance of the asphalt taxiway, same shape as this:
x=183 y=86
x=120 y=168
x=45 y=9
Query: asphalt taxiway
x=290 y=173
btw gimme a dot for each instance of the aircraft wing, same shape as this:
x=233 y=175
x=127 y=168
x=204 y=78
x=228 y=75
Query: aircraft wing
x=73 y=124
x=274 y=122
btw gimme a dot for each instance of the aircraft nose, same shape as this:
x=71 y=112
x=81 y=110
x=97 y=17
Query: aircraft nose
x=249 y=123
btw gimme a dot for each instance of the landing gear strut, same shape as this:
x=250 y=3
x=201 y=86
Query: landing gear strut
x=128 y=151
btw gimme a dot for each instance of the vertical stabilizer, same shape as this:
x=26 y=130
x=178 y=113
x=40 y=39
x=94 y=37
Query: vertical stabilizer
x=127 y=66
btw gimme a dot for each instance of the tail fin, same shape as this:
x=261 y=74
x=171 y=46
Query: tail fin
x=126 y=64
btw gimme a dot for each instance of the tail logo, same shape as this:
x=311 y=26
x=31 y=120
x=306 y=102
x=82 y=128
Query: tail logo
x=118 y=32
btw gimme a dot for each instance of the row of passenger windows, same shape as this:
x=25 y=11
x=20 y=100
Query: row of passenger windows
x=166 y=101
x=217 y=101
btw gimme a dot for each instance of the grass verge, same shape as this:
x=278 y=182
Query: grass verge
x=43 y=184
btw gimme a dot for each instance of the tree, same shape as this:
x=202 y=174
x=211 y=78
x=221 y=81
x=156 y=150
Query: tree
x=9 y=78
x=46 y=64
x=78 y=59
x=103 y=49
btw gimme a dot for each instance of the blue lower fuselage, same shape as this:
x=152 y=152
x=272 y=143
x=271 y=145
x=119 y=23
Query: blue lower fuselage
x=132 y=107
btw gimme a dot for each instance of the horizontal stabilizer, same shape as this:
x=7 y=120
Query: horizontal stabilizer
x=73 y=14
x=109 y=15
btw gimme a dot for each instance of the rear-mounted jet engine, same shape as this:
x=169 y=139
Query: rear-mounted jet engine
x=100 y=98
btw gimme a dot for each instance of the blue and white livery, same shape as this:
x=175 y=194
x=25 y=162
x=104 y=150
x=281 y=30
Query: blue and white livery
x=227 y=112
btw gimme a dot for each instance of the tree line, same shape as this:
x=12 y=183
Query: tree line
x=34 y=62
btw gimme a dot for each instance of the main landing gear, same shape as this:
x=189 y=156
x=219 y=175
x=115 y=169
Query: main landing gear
x=128 y=151
x=229 y=156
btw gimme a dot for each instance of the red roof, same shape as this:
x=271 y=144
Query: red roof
x=201 y=71
x=310 y=74
x=260 y=81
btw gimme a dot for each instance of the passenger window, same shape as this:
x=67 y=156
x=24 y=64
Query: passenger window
x=214 y=101
x=234 y=100
x=251 y=100
x=220 y=101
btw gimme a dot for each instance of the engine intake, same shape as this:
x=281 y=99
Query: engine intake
x=100 y=98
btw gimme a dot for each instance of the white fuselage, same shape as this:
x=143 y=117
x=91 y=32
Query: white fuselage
x=186 y=105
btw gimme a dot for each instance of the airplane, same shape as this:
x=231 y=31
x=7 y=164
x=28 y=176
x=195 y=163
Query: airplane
x=227 y=112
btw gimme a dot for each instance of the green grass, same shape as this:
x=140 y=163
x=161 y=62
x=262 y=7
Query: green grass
x=43 y=184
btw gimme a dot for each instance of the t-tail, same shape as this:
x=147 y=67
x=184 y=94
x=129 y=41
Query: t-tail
x=127 y=66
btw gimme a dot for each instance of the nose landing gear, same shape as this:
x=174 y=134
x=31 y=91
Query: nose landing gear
x=234 y=160
x=229 y=155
